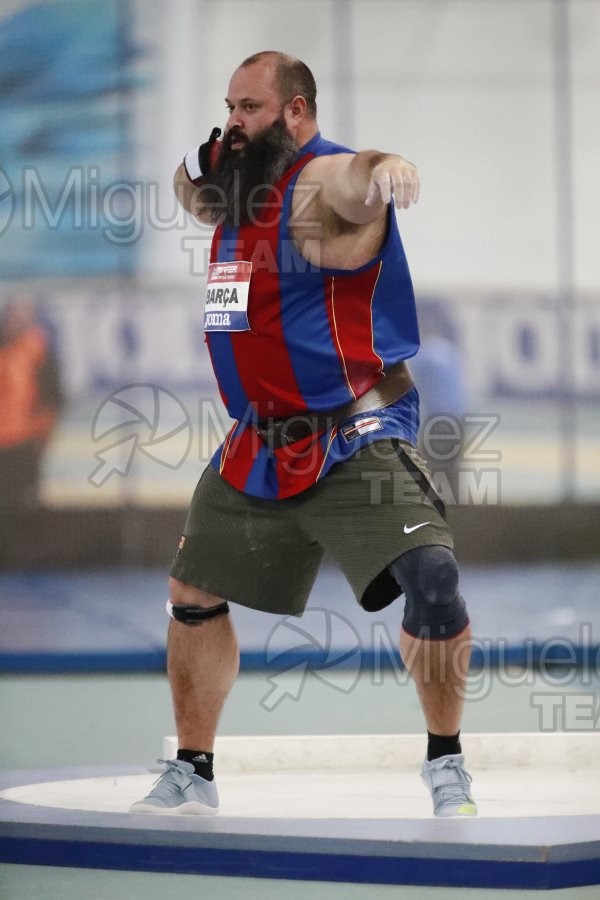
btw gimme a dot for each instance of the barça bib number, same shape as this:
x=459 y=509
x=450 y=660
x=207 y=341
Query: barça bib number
x=227 y=289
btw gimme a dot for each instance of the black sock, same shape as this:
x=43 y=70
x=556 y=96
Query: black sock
x=201 y=760
x=442 y=744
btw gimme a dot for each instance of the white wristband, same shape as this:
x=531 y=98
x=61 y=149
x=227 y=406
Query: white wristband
x=191 y=164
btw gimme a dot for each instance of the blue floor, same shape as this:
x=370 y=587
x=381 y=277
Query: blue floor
x=114 y=621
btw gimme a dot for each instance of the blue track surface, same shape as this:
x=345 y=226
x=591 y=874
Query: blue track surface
x=114 y=621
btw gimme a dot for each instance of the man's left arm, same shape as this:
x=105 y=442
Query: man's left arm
x=359 y=186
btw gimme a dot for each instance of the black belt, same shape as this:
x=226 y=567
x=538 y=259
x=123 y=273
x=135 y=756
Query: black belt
x=396 y=382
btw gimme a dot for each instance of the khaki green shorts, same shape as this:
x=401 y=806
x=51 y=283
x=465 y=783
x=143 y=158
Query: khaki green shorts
x=265 y=554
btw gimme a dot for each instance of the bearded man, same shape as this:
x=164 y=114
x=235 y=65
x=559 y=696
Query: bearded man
x=309 y=319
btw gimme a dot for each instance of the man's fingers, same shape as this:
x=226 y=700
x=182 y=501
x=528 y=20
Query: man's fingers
x=384 y=182
x=379 y=188
x=398 y=180
x=401 y=195
x=373 y=194
x=406 y=186
x=416 y=186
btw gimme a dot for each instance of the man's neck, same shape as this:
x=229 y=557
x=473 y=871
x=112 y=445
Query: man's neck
x=306 y=134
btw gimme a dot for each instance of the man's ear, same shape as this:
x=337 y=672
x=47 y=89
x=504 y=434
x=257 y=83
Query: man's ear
x=297 y=108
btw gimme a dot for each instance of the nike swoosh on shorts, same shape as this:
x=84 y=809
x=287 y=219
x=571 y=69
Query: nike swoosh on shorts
x=408 y=530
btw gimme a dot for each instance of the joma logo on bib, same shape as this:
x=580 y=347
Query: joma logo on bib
x=217 y=320
x=228 y=287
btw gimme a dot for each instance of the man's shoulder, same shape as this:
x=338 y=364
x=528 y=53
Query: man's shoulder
x=325 y=147
x=323 y=156
x=317 y=146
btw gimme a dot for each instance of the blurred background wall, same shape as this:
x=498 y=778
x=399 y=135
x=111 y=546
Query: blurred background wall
x=496 y=101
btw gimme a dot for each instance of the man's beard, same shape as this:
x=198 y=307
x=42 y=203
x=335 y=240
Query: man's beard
x=243 y=178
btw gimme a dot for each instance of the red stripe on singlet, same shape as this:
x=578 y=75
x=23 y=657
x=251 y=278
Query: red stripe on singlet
x=349 y=310
x=267 y=338
x=237 y=457
x=297 y=466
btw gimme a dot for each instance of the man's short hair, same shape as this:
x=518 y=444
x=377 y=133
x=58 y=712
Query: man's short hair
x=292 y=77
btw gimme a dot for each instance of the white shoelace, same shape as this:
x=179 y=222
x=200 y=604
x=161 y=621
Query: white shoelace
x=454 y=790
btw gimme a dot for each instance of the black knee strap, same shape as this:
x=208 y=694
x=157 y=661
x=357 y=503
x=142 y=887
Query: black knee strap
x=195 y=615
x=434 y=607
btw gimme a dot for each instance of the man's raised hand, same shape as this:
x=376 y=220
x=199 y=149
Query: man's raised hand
x=393 y=177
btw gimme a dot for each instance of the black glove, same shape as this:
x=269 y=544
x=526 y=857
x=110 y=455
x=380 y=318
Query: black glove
x=208 y=153
x=199 y=162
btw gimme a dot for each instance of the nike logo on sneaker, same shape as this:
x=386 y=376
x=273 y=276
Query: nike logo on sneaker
x=412 y=528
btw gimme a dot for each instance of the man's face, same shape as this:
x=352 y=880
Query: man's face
x=258 y=146
x=254 y=103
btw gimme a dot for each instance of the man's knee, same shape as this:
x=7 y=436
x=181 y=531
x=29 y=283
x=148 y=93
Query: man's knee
x=191 y=606
x=428 y=577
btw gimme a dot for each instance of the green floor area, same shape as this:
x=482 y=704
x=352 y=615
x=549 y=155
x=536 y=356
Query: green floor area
x=110 y=720
x=30 y=883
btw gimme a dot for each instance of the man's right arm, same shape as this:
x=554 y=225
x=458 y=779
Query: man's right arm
x=197 y=199
x=192 y=180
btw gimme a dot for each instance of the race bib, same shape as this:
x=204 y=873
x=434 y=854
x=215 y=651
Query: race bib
x=227 y=289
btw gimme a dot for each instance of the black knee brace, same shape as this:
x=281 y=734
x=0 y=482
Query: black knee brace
x=434 y=608
x=195 y=615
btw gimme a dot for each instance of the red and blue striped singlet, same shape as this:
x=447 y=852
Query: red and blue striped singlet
x=317 y=339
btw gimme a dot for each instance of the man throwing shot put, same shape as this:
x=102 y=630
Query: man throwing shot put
x=309 y=319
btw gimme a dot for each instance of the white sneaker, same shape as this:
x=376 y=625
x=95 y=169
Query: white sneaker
x=449 y=785
x=180 y=792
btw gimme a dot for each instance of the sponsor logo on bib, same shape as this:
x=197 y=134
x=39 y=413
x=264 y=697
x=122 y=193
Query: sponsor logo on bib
x=227 y=290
